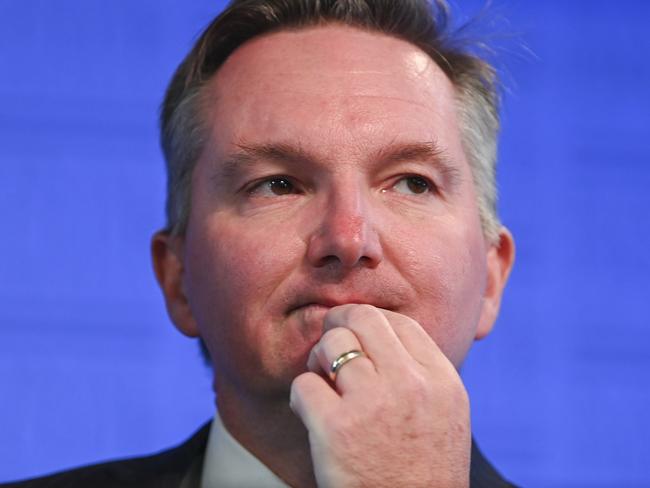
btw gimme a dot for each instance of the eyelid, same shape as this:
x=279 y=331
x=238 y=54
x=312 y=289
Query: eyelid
x=434 y=188
x=255 y=185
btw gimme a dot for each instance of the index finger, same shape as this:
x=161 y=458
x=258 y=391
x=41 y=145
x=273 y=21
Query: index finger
x=372 y=328
x=383 y=338
x=415 y=339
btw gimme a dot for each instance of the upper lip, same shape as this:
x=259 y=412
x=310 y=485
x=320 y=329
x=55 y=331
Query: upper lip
x=332 y=301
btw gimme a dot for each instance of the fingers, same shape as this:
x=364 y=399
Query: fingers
x=313 y=400
x=332 y=345
x=388 y=338
x=415 y=339
x=393 y=344
x=419 y=409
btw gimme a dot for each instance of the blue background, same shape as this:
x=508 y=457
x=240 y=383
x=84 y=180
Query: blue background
x=90 y=367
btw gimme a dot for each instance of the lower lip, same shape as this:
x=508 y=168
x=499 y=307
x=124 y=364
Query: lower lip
x=311 y=316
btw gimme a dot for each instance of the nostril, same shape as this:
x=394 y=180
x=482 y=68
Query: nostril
x=344 y=239
x=333 y=261
x=326 y=260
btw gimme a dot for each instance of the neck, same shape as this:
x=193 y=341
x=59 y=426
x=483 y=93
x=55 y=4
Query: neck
x=268 y=429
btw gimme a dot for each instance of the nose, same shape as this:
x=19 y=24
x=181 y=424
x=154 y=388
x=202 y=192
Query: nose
x=345 y=234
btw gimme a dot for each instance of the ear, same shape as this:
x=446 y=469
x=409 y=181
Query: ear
x=167 y=255
x=500 y=258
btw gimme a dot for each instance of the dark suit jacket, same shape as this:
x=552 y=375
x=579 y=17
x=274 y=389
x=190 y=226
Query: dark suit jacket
x=181 y=466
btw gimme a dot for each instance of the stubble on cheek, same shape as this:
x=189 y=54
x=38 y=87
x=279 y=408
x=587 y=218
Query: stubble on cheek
x=242 y=315
x=447 y=276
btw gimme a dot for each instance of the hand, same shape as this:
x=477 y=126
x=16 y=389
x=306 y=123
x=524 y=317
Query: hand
x=398 y=417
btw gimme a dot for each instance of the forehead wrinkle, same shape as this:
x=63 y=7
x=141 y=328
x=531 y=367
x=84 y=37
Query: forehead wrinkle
x=418 y=103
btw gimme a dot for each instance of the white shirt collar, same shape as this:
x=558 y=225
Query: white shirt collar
x=227 y=464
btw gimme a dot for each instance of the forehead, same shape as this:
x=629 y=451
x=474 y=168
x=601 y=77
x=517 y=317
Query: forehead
x=348 y=83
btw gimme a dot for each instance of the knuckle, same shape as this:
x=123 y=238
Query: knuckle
x=333 y=341
x=334 y=336
x=459 y=395
x=410 y=323
x=363 y=313
x=367 y=310
x=418 y=386
x=299 y=383
x=454 y=395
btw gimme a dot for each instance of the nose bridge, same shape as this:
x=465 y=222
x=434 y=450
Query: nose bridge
x=346 y=210
x=346 y=232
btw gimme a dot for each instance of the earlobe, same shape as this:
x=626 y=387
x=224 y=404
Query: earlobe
x=167 y=256
x=500 y=258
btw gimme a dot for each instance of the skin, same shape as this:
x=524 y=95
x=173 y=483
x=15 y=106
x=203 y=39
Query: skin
x=333 y=209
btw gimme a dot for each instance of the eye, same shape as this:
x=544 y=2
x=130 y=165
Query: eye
x=272 y=187
x=414 y=185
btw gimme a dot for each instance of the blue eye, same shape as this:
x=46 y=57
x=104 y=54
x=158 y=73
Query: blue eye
x=413 y=184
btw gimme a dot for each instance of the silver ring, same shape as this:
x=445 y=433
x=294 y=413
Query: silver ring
x=338 y=363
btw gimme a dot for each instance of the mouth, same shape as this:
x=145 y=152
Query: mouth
x=322 y=305
x=310 y=315
x=308 y=311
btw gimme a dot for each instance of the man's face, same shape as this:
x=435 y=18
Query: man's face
x=333 y=173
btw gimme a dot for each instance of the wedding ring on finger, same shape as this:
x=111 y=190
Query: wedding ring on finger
x=338 y=363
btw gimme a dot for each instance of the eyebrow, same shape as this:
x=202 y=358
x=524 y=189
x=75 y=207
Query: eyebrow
x=428 y=152
x=249 y=154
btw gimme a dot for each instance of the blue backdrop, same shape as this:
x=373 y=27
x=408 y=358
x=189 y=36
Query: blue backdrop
x=90 y=367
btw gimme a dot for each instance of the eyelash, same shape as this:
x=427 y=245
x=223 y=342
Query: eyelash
x=431 y=187
x=256 y=186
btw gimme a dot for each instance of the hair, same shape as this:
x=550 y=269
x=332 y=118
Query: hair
x=423 y=23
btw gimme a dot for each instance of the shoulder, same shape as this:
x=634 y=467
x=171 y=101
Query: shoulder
x=164 y=469
x=483 y=474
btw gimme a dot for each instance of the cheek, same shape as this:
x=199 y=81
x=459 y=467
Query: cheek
x=235 y=273
x=447 y=271
x=233 y=269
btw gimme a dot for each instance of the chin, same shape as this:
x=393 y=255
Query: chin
x=270 y=380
